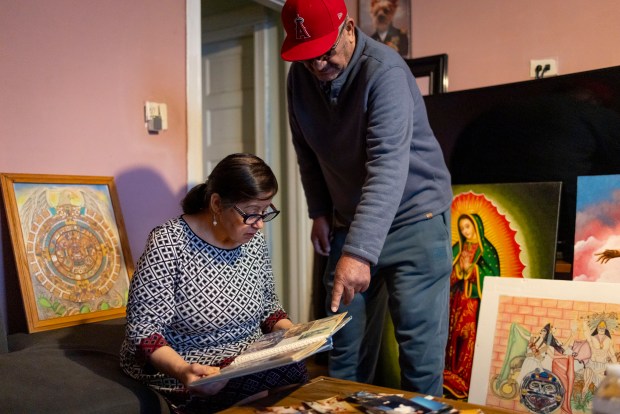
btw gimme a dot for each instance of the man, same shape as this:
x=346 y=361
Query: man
x=377 y=188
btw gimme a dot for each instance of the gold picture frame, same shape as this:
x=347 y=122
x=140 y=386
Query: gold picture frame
x=70 y=247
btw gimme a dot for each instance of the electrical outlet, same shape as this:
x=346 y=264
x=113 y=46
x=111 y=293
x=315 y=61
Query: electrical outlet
x=552 y=71
x=156 y=116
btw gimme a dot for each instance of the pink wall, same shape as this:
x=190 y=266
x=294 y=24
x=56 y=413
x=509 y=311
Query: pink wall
x=491 y=42
x=74 y=77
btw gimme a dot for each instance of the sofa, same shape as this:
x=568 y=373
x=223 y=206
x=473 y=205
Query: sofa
x=71 y=370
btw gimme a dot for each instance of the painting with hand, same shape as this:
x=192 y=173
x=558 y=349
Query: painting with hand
x=597 y=229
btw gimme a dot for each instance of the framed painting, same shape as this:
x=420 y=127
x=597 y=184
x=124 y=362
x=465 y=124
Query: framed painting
x=597 y=229
x=498 y=230
x=70 y=247
x=388 y=21
x=543 y=345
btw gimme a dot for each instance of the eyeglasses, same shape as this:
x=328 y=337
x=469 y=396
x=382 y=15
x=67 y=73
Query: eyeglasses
x=253 y=218
x=328 y=55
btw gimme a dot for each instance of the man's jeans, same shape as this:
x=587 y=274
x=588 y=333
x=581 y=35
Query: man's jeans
x=412 y=278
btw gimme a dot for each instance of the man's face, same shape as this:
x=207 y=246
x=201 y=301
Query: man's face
x=331 y=64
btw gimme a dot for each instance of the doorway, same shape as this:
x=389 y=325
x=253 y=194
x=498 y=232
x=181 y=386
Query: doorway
x=241 y=108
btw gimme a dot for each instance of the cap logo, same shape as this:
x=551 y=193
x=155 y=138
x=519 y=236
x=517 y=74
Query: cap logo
x=300 y=30
x=339 y=16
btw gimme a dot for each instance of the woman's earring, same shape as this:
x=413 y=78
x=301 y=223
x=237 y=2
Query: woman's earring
x=214 y=221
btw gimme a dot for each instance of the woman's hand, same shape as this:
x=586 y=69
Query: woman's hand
x=194 y=372
x=166 y=360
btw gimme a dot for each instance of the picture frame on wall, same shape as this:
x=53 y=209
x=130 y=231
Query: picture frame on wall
x=543 y=345
x=388 y=21
x=70 y=246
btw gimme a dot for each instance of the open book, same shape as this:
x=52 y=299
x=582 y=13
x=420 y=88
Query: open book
x=281 y=347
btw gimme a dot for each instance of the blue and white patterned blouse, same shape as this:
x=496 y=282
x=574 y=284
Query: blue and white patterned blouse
x=207 y=303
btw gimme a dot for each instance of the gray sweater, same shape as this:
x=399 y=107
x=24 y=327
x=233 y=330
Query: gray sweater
x=365 y=149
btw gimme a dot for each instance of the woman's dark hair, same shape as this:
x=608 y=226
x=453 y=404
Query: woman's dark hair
x=238 y=177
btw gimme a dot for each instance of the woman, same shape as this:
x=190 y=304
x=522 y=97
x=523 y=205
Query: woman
x=540 y=352
x=474 y=259
x=203 y=290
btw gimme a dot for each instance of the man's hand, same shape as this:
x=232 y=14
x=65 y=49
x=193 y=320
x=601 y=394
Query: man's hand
x=320 y=235
x=352 y=275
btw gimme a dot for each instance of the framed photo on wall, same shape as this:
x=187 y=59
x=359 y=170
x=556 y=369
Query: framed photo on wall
x=388 y=21
x=70 y=248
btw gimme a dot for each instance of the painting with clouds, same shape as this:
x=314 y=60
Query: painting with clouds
x=597 y=229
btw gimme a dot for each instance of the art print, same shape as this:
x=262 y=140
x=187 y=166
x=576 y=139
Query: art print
x=70 y=247
x=498 y=230
x=543 y=345
x=387 y=21
x=597 y=229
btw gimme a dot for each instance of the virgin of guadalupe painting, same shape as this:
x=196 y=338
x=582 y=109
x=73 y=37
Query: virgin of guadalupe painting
x=543 y=345
x=597 y=229
x=498 y=230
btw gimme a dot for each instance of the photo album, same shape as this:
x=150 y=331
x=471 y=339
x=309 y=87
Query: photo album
x=281 y=348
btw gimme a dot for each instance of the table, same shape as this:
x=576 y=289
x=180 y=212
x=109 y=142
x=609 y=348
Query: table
x=323 y=387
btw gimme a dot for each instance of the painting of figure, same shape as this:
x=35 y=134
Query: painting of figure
x=498 y=230
x=597 y=229
x=544 y=345
x=387 y=21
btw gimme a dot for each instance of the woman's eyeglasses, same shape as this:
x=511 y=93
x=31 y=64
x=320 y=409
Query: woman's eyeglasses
x=253 y=218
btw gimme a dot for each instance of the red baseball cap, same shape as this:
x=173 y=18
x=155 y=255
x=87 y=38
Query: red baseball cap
x=311 y=27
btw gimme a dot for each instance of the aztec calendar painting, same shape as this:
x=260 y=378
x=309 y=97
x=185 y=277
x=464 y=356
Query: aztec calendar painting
x=72 y=247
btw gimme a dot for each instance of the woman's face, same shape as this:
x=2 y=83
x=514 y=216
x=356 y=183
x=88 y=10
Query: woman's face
x=237 y=231
x=467 y=229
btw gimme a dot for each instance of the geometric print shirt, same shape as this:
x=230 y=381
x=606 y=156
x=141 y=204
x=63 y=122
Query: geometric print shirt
x=207 y=303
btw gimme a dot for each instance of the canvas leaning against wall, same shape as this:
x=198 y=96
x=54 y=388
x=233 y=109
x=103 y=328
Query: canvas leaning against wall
x=597 y=229
x=543 y=345
x=505 y=230
x=70 y=247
